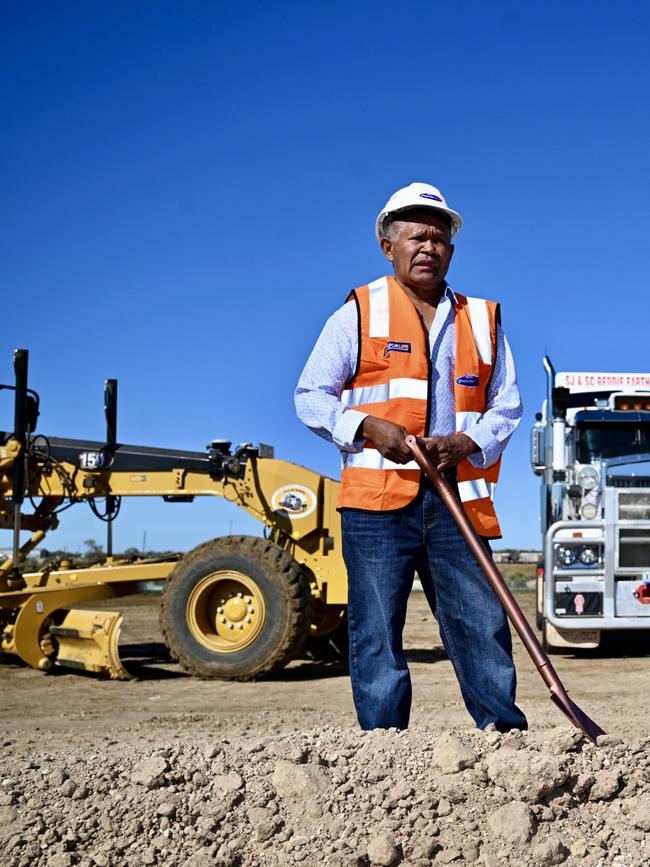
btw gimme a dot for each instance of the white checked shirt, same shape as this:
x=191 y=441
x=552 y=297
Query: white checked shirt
x=333 y=360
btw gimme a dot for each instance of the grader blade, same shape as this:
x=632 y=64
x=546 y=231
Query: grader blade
x=88 y=641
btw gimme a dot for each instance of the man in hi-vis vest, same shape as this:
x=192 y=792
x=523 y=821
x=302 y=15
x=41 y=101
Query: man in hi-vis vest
x=407 y=354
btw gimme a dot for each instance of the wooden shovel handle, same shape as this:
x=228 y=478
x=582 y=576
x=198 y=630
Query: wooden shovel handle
x=497 y=582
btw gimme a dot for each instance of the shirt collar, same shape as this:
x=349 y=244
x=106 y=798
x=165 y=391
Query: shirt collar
x=449 y=292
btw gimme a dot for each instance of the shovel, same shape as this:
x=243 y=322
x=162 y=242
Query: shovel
x=516 y=616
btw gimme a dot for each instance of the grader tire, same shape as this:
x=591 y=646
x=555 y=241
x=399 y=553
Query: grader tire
x=236 y=608
x=333 y=647
x=163 y=629
x=328 y=637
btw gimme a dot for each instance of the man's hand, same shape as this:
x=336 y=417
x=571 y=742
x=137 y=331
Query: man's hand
x=388 y=438
x=449 y=451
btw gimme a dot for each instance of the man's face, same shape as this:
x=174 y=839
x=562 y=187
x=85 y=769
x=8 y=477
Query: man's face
x=419 y=246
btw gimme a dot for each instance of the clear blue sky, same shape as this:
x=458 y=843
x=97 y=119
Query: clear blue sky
x=189 y=190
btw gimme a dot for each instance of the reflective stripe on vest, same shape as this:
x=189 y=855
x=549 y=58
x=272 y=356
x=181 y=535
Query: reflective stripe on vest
x=393 y=382
x=371 y=459
x=475 y=489
x=405 y=387
x=378 y=292
x=480 y=318
x=476 y=486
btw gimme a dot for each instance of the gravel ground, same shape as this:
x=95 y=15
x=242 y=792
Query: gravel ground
x=168 y=770
x=332 y=797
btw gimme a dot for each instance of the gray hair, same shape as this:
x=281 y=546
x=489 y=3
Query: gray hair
x=387 y=227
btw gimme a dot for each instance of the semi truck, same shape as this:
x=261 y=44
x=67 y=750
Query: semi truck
x=590 y=445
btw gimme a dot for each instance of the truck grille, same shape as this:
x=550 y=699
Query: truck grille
x=628 y=482
x=634 y=506
x=634 y=548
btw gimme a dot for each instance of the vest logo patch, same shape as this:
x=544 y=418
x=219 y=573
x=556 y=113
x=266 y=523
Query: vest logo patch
x=393 y=346
x=469 y=379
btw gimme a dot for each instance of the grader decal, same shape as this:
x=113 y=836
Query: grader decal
x=294 y=499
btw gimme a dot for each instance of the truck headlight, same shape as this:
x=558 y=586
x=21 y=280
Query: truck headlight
x=589 y=511
x=566 y=555
x=587 y=478
x=589 y=556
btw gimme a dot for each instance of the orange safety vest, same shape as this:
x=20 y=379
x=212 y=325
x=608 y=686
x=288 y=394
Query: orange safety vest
x=393 y=381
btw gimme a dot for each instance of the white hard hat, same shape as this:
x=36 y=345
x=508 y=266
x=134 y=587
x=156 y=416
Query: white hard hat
x=418 y=196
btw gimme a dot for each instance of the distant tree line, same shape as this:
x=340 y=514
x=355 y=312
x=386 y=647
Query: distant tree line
x=516 y=555
x=94 y=553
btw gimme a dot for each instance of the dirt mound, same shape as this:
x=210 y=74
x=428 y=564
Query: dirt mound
x=332 y=797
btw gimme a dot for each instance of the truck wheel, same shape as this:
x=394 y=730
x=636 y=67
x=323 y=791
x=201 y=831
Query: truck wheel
x=539 y=617
x=236 y=608
x=551 y=649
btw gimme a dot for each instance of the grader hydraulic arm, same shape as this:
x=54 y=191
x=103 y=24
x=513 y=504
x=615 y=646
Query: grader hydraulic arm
x=296 y=506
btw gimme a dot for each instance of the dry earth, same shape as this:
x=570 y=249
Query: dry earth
x=174 y=771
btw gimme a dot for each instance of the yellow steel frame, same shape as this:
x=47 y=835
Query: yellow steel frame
x=312 y=536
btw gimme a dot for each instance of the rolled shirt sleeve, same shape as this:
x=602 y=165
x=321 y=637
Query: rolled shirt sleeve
x=494 y=428
x=328 y=370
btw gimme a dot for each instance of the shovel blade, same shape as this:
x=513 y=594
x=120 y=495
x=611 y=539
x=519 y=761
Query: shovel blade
x=577 y=716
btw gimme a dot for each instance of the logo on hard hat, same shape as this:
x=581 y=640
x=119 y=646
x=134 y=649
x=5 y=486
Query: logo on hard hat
x=430 y=196
x=469 y=379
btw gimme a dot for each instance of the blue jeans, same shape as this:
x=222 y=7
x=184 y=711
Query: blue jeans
x=382 y=551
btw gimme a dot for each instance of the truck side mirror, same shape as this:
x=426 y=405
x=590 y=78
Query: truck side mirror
x=31 y=413
x=537 y=446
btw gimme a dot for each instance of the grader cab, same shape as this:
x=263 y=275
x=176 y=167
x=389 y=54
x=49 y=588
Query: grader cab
x=234 y=607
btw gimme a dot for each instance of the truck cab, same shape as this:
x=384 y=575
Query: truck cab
x=590 y=445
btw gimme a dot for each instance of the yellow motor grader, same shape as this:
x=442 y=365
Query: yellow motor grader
x=234 y=607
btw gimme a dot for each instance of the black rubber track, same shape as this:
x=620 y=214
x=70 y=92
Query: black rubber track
x=287 y=598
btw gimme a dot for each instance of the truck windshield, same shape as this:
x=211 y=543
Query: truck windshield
x=605 y=440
